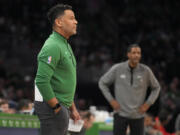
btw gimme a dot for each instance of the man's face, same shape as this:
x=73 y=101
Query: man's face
x=68 y=22
x=5 y=108
x=134 y=55
x=30 y=106
x=148 y=120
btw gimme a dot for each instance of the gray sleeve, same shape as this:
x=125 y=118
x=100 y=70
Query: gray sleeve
x=155 y=88
x=105 y=81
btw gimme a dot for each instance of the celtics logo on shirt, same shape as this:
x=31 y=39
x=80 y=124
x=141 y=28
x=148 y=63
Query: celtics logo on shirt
x=49 y=59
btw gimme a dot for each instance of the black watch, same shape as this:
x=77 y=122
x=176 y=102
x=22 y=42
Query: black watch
x=56 y=106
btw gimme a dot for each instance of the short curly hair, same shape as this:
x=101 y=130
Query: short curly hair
x=132 y=46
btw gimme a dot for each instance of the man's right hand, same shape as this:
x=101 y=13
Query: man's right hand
x=115 y=105
x=52 y=103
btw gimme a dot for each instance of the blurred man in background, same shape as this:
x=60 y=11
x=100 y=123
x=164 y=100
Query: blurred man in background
x=131 y=80
x=4 y=107
x=25 y=106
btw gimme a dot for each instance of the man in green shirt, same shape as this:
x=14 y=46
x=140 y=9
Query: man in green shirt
x=55 y=80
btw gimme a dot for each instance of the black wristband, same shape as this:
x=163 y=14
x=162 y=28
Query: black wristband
x=56 y=106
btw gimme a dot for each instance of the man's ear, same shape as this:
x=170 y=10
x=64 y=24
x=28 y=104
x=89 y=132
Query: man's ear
x=58 y=22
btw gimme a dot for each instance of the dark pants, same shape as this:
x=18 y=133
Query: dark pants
x=51 y=123
x=121 y=123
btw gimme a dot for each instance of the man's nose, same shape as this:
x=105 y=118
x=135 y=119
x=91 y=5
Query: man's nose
x=137 y=55
x=75 y=21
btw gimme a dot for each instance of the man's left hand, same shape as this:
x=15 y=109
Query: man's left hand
x=75 y=115
x=144 y=108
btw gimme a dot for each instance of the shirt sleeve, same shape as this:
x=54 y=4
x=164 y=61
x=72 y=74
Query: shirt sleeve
x=48 y=59
x=177 y=123
x=105 y=81
x=154 y=86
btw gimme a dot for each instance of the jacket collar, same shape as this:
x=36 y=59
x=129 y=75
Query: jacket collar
x=59 y=36
x=128 y=67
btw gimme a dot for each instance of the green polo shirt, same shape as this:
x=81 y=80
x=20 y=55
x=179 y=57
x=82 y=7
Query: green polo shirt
x=56 y=74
